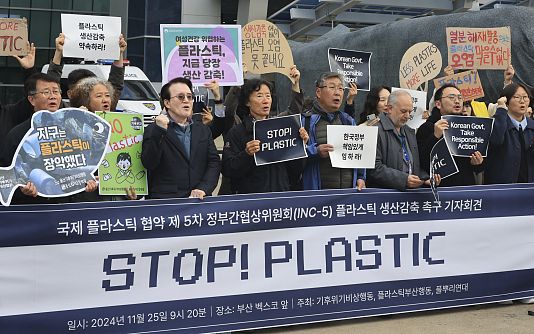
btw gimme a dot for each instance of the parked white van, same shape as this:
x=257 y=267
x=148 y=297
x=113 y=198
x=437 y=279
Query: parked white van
x=138 y=94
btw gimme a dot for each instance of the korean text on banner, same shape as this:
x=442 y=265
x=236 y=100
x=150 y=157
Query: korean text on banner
x=479 y=48
x=263 y=260
x=91 y=37
x=201 y=53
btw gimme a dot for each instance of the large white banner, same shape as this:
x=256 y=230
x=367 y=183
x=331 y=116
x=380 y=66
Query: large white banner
x=240 y=262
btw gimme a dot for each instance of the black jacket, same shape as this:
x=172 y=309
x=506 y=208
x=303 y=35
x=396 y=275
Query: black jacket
x=170 y=173
x=241 y=168
x=426 y=141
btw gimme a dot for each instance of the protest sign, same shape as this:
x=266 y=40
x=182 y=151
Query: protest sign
x=279 y=140
x=354 y=66
x=420 y=63
x=419 y=107
x=122 y=167
x=265 y=49
x=58 y=154
x=354 y=146
x=480 y=48
x=13 y=37
x=467 y=134
x=468 y=83
x=201 y=53
x=241 y=262
x=91 y=37
x=441 y=160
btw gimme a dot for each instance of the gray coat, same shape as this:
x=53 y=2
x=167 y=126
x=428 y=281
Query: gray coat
x=389 y=157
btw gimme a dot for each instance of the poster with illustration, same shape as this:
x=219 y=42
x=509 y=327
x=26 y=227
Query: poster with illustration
x=59 y=154
x=121 y=168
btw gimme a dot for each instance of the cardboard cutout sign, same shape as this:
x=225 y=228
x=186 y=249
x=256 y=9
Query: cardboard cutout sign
x=91 y=37
x=122 y=167
x=279 y=140
x=265 y=49
x=468 y=83
x=58 y=154
x=13 y=37
x=480 y=48
x=419 y=107
x=354 y=146
x=201 y=53
x=467 y=134
x=354 y=66
x=420 y=63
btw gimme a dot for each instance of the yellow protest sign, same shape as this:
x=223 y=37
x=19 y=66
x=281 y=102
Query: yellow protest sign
x=13 y=37
x=265 y=49
x=420 y=63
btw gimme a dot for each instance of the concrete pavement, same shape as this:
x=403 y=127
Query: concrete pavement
x=480 y=319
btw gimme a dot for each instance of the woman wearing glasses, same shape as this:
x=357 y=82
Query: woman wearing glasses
x=511 y=150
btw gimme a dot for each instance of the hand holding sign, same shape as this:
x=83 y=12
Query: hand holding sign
x=265 y=49
x=91 y=37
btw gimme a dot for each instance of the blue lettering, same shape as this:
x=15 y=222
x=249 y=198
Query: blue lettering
x=176 y=272
x=330 y=258
x=426 y=248
x=375 y=252
x=154 y=265
x=212 y=260
x=269 y=260
x=396 y=247
x=300 y=261
x=129 y=275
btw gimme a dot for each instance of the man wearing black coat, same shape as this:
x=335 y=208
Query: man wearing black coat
x=179 y=154
x=449 y=101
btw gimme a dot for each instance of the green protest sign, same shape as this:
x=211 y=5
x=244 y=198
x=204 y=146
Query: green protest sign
x=122 y=167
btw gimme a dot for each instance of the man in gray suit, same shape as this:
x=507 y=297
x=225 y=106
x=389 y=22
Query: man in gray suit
x=397 y=157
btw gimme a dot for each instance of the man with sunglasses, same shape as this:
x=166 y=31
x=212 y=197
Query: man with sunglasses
x=179 y=154
x=449 y=101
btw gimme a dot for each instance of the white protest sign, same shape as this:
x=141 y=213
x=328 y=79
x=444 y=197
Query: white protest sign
x=91 y=37
x=354 y=146
x=419 y=107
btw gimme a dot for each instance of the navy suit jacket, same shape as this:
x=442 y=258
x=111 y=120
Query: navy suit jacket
x=170 y=173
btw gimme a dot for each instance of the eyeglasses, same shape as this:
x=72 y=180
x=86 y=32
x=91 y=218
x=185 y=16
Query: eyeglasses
x=453 y=97
x=521 y=98
x=48 y=93
x=181 y=97
x=333 y=88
